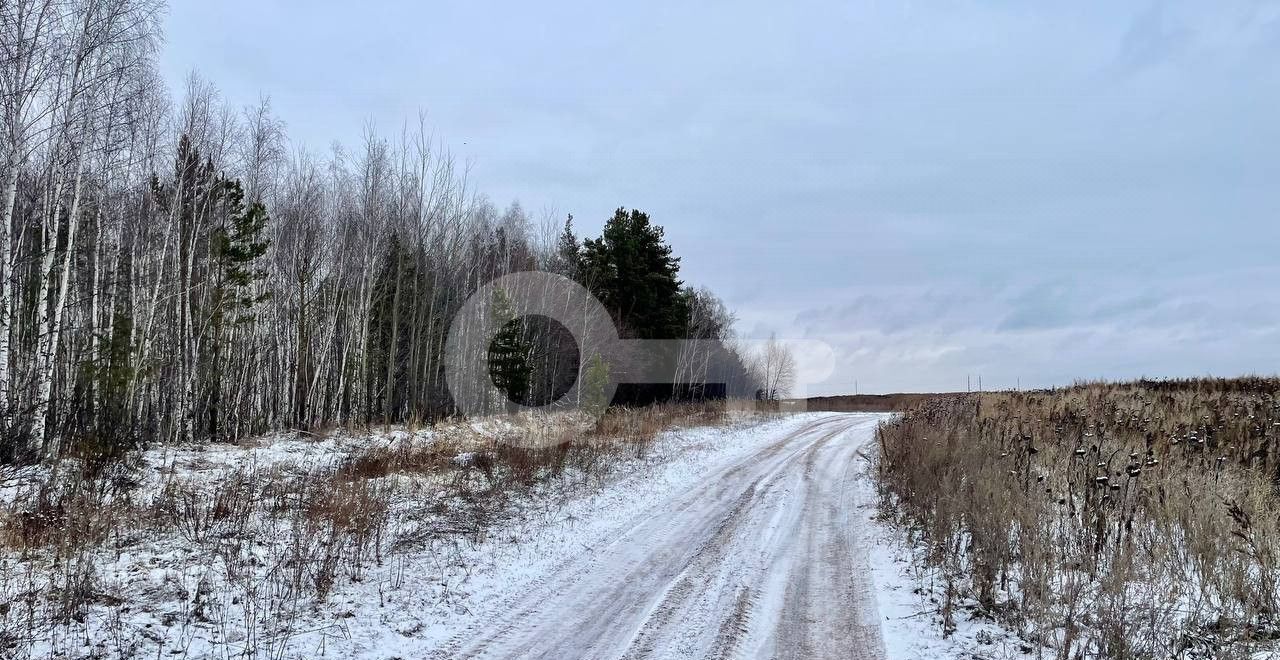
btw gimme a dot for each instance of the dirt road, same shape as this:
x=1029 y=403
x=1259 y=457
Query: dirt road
x=763 y=559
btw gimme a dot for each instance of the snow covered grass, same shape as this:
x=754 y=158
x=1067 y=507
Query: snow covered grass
x=294 y=546
x=910 y=600
x=1127 y=521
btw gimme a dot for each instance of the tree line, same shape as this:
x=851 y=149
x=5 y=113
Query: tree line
x=172 y=270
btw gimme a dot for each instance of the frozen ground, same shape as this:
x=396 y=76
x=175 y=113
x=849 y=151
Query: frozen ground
x=755 y=540
x=751 y=542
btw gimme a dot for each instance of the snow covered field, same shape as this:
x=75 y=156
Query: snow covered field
x=755 y=539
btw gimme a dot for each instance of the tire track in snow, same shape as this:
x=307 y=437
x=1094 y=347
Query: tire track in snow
x=515 y=607
x=760 y=560
x=725 y=560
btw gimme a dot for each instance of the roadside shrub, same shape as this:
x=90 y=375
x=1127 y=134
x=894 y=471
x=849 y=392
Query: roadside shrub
x=1121 y=521
x=203 y=540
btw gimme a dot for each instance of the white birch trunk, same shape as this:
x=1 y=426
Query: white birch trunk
x=9 y=199
x=51 y=328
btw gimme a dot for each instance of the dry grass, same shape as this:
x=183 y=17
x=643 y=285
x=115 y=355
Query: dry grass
x=249 y=550
x=868 y=402
x=1119 y=521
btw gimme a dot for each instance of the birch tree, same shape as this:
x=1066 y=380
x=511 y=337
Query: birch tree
x=167 y=274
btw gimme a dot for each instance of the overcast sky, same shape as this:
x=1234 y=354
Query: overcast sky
x=936 y=189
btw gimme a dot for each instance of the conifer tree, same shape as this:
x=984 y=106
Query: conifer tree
x=595 y=382
x=633 y=272
x=568 y=254
x=135 y=267
x=236 y=246
x=510 y=352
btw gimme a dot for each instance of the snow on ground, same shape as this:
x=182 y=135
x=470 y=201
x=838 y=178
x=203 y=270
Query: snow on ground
x=450 y=591
x=512 y=559
x=422 y=616
x=907 y=601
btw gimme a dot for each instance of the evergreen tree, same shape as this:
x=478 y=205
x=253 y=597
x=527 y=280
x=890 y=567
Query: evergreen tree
x=236 y=247
x=134 y=270
x=631 y=270
x=510 y=352
x=387 y=387
x=568 y=255
x=594 y=383
x=193 y=198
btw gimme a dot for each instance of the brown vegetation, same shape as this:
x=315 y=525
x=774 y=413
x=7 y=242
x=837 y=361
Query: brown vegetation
x=250 y=551
x=1120 y=521
x=897 y=402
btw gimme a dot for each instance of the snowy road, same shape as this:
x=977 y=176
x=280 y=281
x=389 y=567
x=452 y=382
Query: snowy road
x=762 y=558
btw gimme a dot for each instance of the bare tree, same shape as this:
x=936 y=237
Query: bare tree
x=146 y=296
x=775 y=368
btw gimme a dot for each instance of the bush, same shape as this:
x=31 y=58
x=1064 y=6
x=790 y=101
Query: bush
x=1123 y=521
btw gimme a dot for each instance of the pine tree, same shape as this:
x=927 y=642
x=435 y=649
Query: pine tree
x=390 y=330
x=236 y=246
x=509 y=352
x=594 y=383
x=191 y=198
x=632 y=271
x=568 y=254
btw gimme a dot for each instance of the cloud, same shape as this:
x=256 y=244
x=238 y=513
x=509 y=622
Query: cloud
x=1062 y=303
x=892 y=313
x=1153 y=38
x=1031 y=192
x=1047 y=332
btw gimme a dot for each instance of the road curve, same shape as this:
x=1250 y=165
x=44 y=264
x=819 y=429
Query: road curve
x=764 y=559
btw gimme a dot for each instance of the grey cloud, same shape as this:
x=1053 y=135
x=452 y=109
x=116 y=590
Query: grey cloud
x=1064 y=303
x=1153 y=37
x=892 y=313
x=1024 y=190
